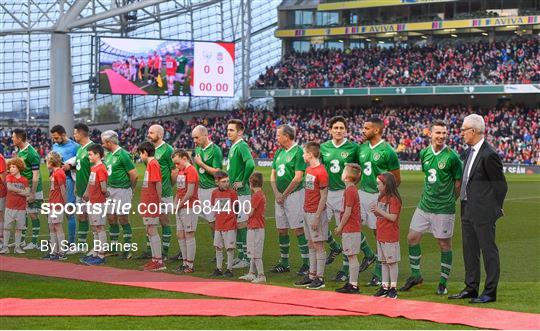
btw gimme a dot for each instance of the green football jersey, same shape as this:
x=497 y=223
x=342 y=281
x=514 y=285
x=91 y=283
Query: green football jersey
x=238 y=156
x=163 y=155
x=82 y=165
x=374 y=161
x=286 y=163
x=118 y=164
x=31 y=161
x=441 y=171
x=334 y=159
x=182 y=61
x=212 y=156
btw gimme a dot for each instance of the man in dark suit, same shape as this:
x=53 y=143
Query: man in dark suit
x=482 y=195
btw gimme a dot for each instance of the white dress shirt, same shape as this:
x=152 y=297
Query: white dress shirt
x=476 y=148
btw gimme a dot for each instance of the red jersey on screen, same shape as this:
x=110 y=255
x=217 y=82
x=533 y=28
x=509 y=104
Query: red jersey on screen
x=171 y=65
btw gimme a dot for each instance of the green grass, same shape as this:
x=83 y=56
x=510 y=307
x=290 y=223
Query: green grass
x=518 y=237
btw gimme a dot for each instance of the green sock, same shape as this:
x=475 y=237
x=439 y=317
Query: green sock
x=114 y=232
x=166 y=234
x=378 y=270
x=415 y=254
x=82 y=234
x=126 y=228
x=239 y=246
x=365 y=247
x=345 y=267
x=35 y=230
x=304 y=250
x=148 y=248
x=23 y=237
x=332 y=243
x=284 y=244
x=446 y=266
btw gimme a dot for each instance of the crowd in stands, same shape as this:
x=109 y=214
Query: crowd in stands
x=477 y=62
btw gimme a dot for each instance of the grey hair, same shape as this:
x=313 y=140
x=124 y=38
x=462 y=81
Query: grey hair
x=477 y=123
x=288 y=130
x=202 y=129
x=111 y=136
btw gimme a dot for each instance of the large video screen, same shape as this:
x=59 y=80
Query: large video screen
x=133 y=66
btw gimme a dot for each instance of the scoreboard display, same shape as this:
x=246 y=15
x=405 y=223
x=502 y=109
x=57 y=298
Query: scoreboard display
x=134 y=66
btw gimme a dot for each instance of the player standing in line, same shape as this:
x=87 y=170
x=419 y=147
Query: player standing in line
x=31 y=172
x=163 y=155
x=121 y=183
x=315 y=218
x=181 y=69
x=335 y=153
x=187 y=185
x=57 y=199
x=208 y=160
x=286 y=179
x=67 y=148
x=3 y=193
x=170 y=72
x=149 y=68
x=376 y=157
x=436 y=212
x=239 y=168
x=156 y=69
x=150 y=200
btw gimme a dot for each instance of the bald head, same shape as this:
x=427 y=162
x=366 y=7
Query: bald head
x=155 y=134
x=200 y=136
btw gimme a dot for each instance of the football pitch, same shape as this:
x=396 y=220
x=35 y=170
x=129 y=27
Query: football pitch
x=518 y=237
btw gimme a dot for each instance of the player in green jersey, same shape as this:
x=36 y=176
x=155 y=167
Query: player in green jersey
x=376 y=157
x=163 y=154
x=436 y=211
x=121 y=183
x=181 y=69
x=286 y=180
x=32 y=162
x=335 y=154
x=82 y=175
x=239 y=167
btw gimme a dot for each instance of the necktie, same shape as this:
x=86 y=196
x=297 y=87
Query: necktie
x=465 y=180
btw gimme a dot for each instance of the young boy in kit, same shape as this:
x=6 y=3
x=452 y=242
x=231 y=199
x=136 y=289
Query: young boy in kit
x=223 y=201
x=255 y=234
x=57 y=199
x=315 y=218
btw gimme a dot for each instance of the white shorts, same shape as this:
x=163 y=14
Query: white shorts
x=388 y=252
x=179 y=77
x=170 y=79
x=2 y=204
x=291 y=214
x=351 y=243
x=242 y=216
x=150 y=220
x=55 y=218
x=255 y=243
x=17 y=216
x=97 y=219
x=440 y=225
x=368 y=218
x=205 y=194
x=322 y=231
x=334 y=205
x=166 y=207
x=225 y=239
x=32 y=207
x=122 y=196
x=186 y=220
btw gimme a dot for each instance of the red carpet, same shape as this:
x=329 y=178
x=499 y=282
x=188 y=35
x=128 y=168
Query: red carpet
x=157 y=307
x=120 y=85
x=415 y=310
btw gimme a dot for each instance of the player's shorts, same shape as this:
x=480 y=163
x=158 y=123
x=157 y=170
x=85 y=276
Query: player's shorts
x=291 y=214
x=186 y=220
x=322 y=231
x=17 y=216
x=388 y=252
x=225 y=239
x=440 y=225
x=368 y=218
x=55 y=218
x=35 y=206
x=179 y=77
x=205 y=194
x=80 y=202
x=243 y=216
x=170 y=79
x=351 y=243
x=255 y=243
x=121 y=196
x=155 y=72
x=167 y=206
x=334 y=204
x=95 y=216
x=150 y=220
x=2 y=204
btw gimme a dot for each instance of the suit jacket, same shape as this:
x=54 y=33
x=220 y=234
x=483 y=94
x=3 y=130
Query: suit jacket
x=486 y=187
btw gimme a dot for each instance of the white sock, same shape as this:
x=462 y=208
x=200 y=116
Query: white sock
x=191 y=247
x=219 y=260
x=155 y=246
x=259 y=266
x=18 y=237
x=60 y=237
x=321 y=262
x=230 y=258
x=7 y=233
x=183 y=249
x=95 y=236
x=54 y=241
x=252 y=267
x=312 y=262
x=393 y=271
x=354 y=268
x=102 y=237
x=385 y=275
